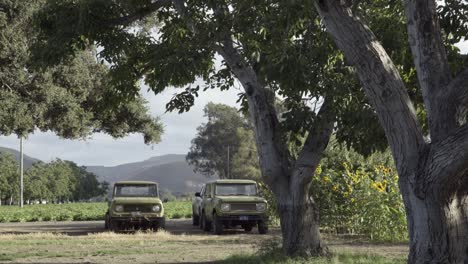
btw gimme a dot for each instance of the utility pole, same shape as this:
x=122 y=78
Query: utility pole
x=228 y=167
x=21 y=171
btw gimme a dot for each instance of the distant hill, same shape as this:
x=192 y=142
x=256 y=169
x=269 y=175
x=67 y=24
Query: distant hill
x=28 y=161
x=171 y=171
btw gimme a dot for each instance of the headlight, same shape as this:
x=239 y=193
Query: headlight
x=156 y=208
x=119 y=208
x=261 y=207
x=225 y=207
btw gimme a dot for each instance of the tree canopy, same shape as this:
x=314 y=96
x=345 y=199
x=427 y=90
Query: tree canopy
x=74 y=98
x=227 y=132
x=57 y=181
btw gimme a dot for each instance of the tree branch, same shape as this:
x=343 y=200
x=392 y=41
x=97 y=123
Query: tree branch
x=273 y=152
x=127 y=20
x=380 y=79
x=315 y=144
x=447 y=163
x=432 y=65
x=458 y=92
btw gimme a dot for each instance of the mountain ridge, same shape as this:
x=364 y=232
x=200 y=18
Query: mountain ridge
x=171 y=171
x=28 y=160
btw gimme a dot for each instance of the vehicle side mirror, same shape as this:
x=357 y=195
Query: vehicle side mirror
x=197 y=194
x=165 y=200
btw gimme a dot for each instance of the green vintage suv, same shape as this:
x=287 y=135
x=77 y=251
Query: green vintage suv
x=223 y=204
x=135 y=205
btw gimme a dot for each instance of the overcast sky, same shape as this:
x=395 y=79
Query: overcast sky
x=104 y=150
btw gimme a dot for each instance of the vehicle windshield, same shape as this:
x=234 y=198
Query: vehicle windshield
x=136 y=190
x=249 y=189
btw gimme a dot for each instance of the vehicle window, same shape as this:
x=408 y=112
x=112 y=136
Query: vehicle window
x=139 y=190
x=236 y=189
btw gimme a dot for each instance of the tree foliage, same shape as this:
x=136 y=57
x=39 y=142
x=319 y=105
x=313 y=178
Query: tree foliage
x=74 y=98
x=226 y=132
x=57 y=181
x=9 y=177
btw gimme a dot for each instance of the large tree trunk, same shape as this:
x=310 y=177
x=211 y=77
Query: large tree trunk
x=288 y=179
x=437 y=225
x=433 y=175
x=299 y=222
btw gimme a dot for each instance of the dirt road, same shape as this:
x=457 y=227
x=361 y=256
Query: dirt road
x=175 y=226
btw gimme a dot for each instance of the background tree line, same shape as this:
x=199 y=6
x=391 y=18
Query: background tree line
x=57 y=181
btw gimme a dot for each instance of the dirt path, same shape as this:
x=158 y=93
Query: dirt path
x=175 y=226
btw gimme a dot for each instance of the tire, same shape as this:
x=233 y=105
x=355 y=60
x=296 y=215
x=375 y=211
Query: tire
x=162 y=223
x=206 y=225
x=200 y=221
x=247 y=228
x=195 y=219
x=106 y=221
x=113 y=225
x=262 y=227
x=218 y=226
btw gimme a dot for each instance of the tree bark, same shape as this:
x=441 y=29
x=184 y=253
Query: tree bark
x=437 y=226
x=432 y=175
x=299 y=222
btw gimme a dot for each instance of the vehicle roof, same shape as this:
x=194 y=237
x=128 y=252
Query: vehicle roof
x=135 y=182
x=232 y=181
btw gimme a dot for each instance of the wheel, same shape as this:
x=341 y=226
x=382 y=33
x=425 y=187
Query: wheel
x=162 y=223
x=195 y=219
x=206 y=225
x=200 y=221
x=218 y=227
x=106 y=221
x=247 y=228
x=262 y=227
x=113 y=225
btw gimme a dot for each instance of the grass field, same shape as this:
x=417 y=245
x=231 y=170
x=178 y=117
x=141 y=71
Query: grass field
x=78 y=212
x=164 y=247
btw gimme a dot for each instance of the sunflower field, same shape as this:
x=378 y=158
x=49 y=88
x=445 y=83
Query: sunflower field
x=359 y=195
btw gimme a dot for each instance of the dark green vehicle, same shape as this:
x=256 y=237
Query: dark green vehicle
x=226 y=204
x=135 y=205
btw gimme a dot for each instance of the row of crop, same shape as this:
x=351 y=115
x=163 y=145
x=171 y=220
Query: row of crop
x=77 y=212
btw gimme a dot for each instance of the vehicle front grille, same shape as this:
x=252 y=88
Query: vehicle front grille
x=137 y=208
x=243 y=207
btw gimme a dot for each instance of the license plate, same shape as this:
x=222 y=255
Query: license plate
x=136 y=213
x=244 y=218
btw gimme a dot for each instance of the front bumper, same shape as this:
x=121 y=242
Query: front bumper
x=137 y=219
x=243 y=218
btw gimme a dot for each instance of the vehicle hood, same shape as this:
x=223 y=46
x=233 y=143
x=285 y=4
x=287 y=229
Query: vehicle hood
x=136 y=200
x=241 y=199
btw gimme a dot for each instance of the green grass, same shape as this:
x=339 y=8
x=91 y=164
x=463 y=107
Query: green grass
x=165 y=247
x=340 y=258
x=78 y=212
